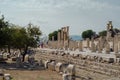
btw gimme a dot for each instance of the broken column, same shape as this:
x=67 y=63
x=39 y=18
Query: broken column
x=100 y=44
x=67 y=36
x=80 y=46
x=52 y=38
x=93 y=49
x=107 y=48
x=88 y=42
x=59 y=38
x=116 y=44
x=62 y=40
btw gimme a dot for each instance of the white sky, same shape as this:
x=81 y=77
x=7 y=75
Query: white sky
x=51 y=15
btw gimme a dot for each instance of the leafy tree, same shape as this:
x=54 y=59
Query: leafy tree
x=87 y=34
x=18 y=37
x=3 y=25
x=50 y=36
x=103 y=33
x=53 y=34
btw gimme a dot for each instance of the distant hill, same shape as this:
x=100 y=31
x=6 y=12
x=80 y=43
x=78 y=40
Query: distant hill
x=75 y=37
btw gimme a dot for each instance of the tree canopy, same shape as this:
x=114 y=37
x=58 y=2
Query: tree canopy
x=13 y=36
x=87 y=34
x=103 y=33
x=55 y=34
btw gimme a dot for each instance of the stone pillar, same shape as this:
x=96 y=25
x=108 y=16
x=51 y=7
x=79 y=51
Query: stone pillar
x=68 y=36
x=107 y=48
x=65 y=37
x=93 y=46
x=52 y=38
x=80 y=46
x=62 y=37
x=88 y=42
x=99 y=47
x=119 y=45
x=59 y=39
x=116 y=44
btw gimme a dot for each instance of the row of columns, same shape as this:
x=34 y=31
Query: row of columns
x=63 y=37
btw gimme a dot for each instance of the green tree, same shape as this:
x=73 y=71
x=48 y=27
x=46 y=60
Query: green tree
x=18 y=37
x=103 y=33
x=53 y=34
x=3 y=26
x=87 y=34
x=23 y=38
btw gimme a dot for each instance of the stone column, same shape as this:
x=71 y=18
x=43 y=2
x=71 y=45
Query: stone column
x=62 y=37
x=107 y=48
x=88 y=42
x=99 y=47
x=80 y=46
x=52 y=38
x=58 y=37
x=68 y=36
x=116 y=44
x=64 y=34
x=93 y=46
x=119 y=45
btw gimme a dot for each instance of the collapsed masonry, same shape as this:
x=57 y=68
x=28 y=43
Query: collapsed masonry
x=93 y=63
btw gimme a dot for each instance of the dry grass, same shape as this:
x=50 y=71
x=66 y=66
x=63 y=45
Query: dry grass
x=34 y=75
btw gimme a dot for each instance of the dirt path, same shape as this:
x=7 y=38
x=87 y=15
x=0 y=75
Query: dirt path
x=34 y=75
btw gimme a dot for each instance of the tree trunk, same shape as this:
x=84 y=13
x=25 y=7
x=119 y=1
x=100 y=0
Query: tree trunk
x=25 y=52
x=9 y=49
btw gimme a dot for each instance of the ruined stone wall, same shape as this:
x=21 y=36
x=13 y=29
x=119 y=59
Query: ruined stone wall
x=53 y=44
x=73 y=45
x=85 y=64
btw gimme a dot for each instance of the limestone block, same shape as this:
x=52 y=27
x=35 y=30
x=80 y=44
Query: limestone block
x=65 y=76
x=71 y=69
x=58 y=67
x=46 y=64
x=7 y=77
x=108 y=60
x=75 y=55
x=51 y=65
x=40 y=62
x=26 y=57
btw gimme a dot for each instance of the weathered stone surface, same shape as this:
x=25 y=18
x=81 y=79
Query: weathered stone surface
x=65 y=76
x=58 y=67
x=71 y=69
x=7 y=77
x=46 y=64
x=107 y=48
x=51 y=65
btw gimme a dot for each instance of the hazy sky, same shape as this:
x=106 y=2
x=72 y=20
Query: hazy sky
x=51 y=15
